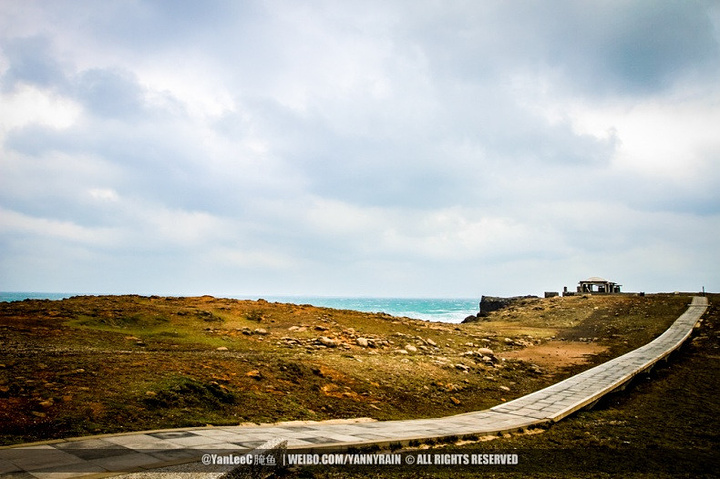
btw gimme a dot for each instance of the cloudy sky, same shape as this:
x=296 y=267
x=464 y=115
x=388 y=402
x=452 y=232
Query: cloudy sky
x=358 y=148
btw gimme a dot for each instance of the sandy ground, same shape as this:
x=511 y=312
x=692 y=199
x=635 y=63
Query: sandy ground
x=556 y=354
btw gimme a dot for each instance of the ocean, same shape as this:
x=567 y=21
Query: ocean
x=446 y=310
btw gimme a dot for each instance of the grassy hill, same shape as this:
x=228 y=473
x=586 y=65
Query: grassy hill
x=91 y=365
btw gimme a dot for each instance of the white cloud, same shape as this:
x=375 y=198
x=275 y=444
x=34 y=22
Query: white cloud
x=32 y=105
x=15 y=223
x=358 y=148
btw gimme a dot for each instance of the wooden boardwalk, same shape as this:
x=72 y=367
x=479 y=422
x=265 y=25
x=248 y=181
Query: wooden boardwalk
x=112 y=454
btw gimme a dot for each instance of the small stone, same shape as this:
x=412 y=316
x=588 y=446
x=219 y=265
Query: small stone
x=327 y=342
x=504 y=388
x=486 y=352
x=455 y=400
x=255 y=374
x=362 y=342
x=221 y=348
x=462 y=367
x=261 y=331
x=411 y=348
x=38 y=414
x=431 y=342
x=401 y=351
x=47 y=404
x=151 y=394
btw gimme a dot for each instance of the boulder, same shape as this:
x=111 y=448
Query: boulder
x=328 y=342
x=489 y=304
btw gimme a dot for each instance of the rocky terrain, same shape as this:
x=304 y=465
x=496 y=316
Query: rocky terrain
x=91 y=365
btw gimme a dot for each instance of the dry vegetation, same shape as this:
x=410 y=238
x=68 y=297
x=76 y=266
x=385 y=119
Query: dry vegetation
x=90 y=365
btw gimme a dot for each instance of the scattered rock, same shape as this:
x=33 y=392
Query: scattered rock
x=401 y=351
x=38 y=414
x=411 y=348
x=327 y=342
x=221 y=348
x=362 y=342
x=462 y=367
x=261 y=331
x=504 y=388
x=47 y=404
x=486 y=352
x=431 y=342
x=255 y=374
x=455 y=400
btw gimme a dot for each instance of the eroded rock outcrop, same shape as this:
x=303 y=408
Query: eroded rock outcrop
x=489 y=304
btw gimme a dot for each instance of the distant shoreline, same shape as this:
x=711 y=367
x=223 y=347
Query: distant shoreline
x=446 y=310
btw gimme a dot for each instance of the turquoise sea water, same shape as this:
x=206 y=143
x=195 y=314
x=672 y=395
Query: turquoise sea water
x=448 y=310
x=5 y=296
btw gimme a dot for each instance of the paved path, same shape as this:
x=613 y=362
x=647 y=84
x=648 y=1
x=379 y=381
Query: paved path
x=100 y=456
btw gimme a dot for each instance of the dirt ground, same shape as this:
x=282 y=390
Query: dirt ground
x=107 y=364
x=557 y=355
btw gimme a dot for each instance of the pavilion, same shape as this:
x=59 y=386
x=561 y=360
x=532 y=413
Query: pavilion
x=598 y=285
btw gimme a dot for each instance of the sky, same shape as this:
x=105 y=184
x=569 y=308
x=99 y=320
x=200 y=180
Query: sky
x=358 y=148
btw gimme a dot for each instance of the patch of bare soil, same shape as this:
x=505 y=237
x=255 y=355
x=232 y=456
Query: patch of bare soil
x=557 y=354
